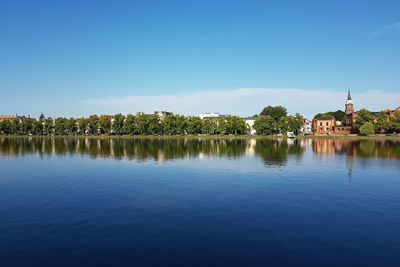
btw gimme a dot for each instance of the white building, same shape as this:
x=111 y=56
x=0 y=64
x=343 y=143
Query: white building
x=162 y=114
x=250 y=123
x=306 y=129
x=210 y=115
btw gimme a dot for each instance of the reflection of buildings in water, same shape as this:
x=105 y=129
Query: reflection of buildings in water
x=160 y=157
x=330 y=146
x=290 y=141
x=305 y=143
x=272 y=151
x=250 y=147
x=349 y=165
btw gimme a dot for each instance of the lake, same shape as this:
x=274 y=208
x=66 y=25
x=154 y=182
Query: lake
x=197 y=202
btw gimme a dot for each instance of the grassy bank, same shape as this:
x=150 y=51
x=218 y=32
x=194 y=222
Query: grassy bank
x=153 y=137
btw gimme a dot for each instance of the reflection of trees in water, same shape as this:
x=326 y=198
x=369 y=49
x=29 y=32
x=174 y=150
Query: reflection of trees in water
x=276 y=152
x=362 y=148
x=139 y=149
x=273 y=152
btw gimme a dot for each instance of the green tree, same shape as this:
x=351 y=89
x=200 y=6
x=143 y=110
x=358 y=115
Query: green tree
x=48 y=125
x=294 y=123
x=291 y=124
x=93 y=124
x=14 y=126
x=180 y=122
x=367 y=129
x=40 y=124
x=339 y=115
x=276 y=112
x=210 y=126
x=105 y=124
x=394 y=123
x=154 y=124
x=363 y=116
x=265 y=125
x=382 y=122
x=118 y=124
x=60 y=126
x=25 y=125
x=234 y=125
x=83 y=125
x=194 y=125
x=71 y=126
x=147 y=124
x=130 y=126
x=6 y=127
x=142 y=123
x=37 y=127
x=321 y=116
x=169 y=124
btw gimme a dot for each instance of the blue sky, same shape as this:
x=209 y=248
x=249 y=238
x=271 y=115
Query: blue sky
x=81 y=57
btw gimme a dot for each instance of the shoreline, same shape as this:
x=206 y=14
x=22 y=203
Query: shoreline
x=209 y=137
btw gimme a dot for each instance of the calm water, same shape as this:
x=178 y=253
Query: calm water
x=74 y=202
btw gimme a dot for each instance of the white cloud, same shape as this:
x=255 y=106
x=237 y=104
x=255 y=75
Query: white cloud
x=387 y=28
x=244 y=102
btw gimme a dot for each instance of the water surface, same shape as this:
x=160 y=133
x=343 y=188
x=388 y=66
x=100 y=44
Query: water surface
x=145 y=202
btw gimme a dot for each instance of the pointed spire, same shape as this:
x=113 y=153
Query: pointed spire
x=349 y=95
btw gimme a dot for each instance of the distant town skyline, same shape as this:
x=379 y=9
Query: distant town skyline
x=76 y=58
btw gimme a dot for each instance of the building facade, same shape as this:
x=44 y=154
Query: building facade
x=324 y=126
x=329 y=126
x=7 y=117
x=210 y=115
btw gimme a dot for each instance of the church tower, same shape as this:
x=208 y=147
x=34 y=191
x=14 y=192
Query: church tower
x=349 y=104
x=349 y=110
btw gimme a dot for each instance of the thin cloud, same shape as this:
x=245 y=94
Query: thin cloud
x=243 y=102
x=386 y=29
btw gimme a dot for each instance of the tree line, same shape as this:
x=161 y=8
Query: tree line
x=272 y=151
x=275 y=120
x=368 y=123
x=272 y=120
x=139 y=124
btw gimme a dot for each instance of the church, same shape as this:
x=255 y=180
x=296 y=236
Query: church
x=329 y=126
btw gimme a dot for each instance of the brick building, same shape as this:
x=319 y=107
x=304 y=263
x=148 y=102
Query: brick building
x=329 y=126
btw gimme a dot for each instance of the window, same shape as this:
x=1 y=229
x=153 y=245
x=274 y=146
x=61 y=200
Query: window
x=320 y=124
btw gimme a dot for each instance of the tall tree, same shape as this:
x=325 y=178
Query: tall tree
x=60 y=126
x=48 y=125
x=363 y=116
x=105 y=124
x=235 y=125
x=339 y=115
x=71 y=126
x=394 y=122
x=169 y=124
x=382 y=122
x=265 y=125
x=276 y=112
x=118 y=124
x=130 y=124
x=194 y=125
x=93 y=124
x=210 y=126
x=83 y=125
